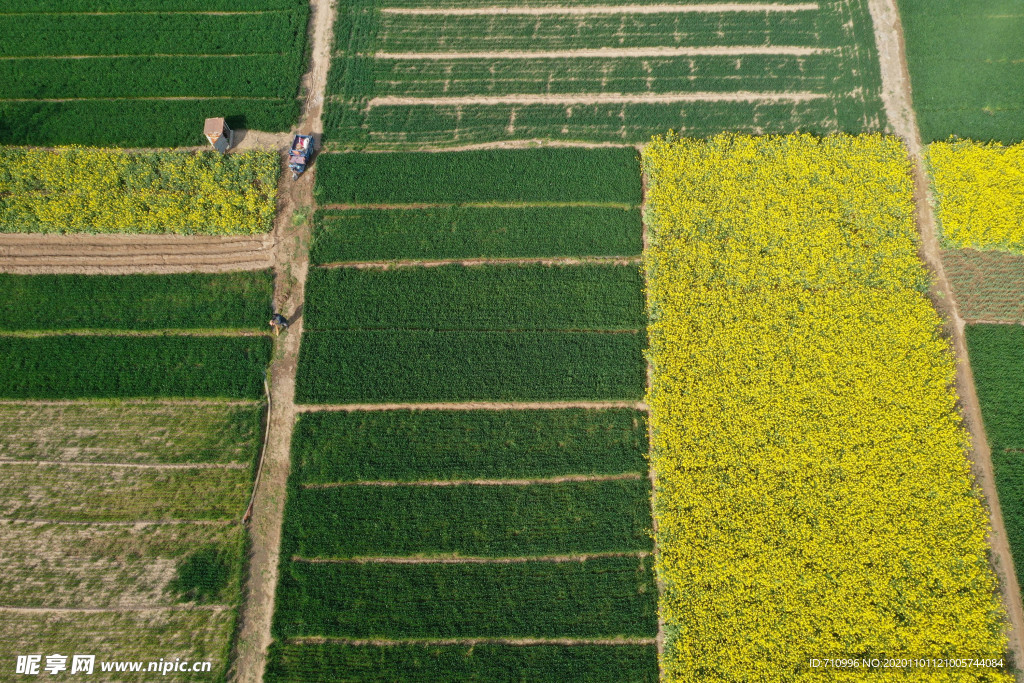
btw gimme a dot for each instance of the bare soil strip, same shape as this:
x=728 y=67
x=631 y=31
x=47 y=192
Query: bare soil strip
x=897 y=96
x=134 y=522
x=565 y=479
x=557 y=261
x=117 y=254
x=291 y=263
x=454 y=559
x=595 y=98
x=385 y=642
x=129 y=401
x=523 y=143
x=605 y=9
x=471 y=405
x=133 y=465
x=611 y=53
x=994 y=322
x=188 y=98
x=127 y=608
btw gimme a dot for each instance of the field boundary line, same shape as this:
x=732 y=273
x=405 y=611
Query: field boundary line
x=564 y=479
x=134 y=333
x=109 y=14
x=134 y=522
x=411 y=206
x=126 y=608
x=968 y=321
x=387 y=642
x=609 y=53
x=188 y=98
x=469 y=405
x=475 y=330
x=11 y=58
x=128 y=401
x=521 y=143
x=709 y=8
x=454 y=559
x=898 y=99
x=129 y=465
x=540 y=261
x=595 y=98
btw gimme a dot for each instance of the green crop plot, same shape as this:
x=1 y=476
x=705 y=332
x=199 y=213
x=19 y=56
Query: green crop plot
x=997 y=360
x=563 y=175
x=403 y=445
x=70 y=366
x=503 y=297
x=378 y=366
x=468 y=520
x=592 y=599
x=965 y=68
x=475 y=232
x=144 y=432
x=240 y=300
x=324 y=662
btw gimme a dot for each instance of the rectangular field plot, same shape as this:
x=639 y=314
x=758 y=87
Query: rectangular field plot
x=71 y=366
x=144 y=635
x=323 y=662
x=474 y=232
x=966 y=63
x=596 y=598
x=988 y=285
x=144 y=432
x=87 y=566
x=601 y=176
x=136 y=302
x=500 y=297
x=69 y=76
x=412 y=74
x=469 y=520
x=109 y=493
x=404 y=445
x=385 y=366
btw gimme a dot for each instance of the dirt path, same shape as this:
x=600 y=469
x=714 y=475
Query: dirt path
x=604 y=9
x=454 y=559
x=566 y=479
x=133 y=465
x=472 y=405
x=612 y=53
x=595 y=98
x=566 y=261
x=291 y=263
x=896 y=94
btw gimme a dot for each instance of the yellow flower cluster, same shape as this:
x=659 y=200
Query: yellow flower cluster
x=979 y=189
x=814 y=500
x=81 y=189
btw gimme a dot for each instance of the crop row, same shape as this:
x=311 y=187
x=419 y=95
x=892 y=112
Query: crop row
x=108 y=566
x=378 y=366
x=964 y=62
x=273 y=76
x=39 y=34
x=997 y=361
x=136 y=302
x=140 y=432
x=320 y=663
x=404 y=445
x=564 y=175
x=497 y=297
x=70 y=366
x=596 y=598
x=499 y=76
x=979 y=189
x=988 y=285
x=155 y=123
x=143 y=6
x=92 y=494
x=74 y=189
x=405 y=126
x=474 y=232
x=469 y=520
x=804 y=430
x=461 y=33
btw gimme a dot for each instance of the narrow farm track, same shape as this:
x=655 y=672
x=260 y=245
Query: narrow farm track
x=612 y=53
x=569 y=478
x=107 y=610
x=897 y=96
x=471 y=405
x=27 y=254
x=566 y=261
x=710 y=8
x=291 y=261
x=133 y=465
x=595 y=98
x=452 y=559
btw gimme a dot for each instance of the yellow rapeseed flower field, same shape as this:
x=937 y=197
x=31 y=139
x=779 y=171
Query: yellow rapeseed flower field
x=979 y=191
x=814 y=499
x=83 y=189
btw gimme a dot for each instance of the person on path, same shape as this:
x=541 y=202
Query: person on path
x=278 y=322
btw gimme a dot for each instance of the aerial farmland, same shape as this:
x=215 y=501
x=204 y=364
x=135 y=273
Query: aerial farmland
x=611 y=343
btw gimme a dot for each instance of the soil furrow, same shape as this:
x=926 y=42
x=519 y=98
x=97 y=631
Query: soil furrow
x=594 y=98
x=541 y=261
x=472 y=405
x=455 y=559
x=613 y=53
x=710 y=8
x=566 y=479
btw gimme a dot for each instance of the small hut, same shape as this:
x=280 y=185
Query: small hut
x=219 y=135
